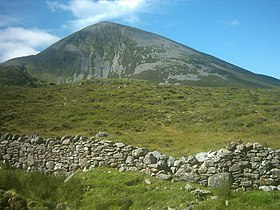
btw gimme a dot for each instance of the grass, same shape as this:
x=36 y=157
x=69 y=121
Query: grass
x=103 y=188
x=176 y=120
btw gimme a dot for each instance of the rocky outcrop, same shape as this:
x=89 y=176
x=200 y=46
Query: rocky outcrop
x=246 y=166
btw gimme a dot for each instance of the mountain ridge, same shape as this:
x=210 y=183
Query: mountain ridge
x=111 y=50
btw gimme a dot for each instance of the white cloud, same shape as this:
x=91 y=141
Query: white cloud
x=17 y=41
x=234 y=23
x=88 y=12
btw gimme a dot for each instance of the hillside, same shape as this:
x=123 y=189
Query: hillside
x=11 y=76
x=176 y=120
x=109 y=50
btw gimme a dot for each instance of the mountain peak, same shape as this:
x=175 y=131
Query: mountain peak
x=108 y=49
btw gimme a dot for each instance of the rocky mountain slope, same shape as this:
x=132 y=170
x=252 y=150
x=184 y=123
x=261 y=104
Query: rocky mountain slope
x=109 y=50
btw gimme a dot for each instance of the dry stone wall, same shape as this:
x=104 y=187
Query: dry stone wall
x=248 y=166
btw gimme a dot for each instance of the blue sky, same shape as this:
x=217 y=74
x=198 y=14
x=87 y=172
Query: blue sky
x=243 y=32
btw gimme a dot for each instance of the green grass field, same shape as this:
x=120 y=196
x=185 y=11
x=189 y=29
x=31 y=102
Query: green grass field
x=102 y=189
x=176 y=120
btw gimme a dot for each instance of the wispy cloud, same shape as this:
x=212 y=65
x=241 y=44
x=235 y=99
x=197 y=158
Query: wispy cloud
x=231 y=23
x=234 y=23
x=17 y=41
x=86 y=12
x=9 y=21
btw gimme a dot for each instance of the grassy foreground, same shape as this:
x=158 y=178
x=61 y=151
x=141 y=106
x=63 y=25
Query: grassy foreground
x=176 y=120
x=109 y=189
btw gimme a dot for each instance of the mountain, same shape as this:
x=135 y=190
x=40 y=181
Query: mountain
x=109 y=50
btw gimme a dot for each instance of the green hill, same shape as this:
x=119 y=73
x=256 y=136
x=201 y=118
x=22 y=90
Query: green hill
x=176 y=120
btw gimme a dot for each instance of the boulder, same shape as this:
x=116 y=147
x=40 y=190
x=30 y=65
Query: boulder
x=220 y=180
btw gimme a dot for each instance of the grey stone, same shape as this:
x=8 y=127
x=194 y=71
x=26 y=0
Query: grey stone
x=129 y=160
x=223 y=152
x=82 y=138
x=7 y=157
x=66 y=142
x=252 y=175
x=150 y=159
x=211 y=170
x=50 y=165
x=183 y=169
x=122 y=169
x=231 y=146
x=246 y=183
x=201 y=157
x=257 y=145
x=30 y=160
x=241 y=147
x=275 y=171
x=65 y=137
x=181 y=161
x=220 y=180
x=202 y=169
x=118 y=155
x=234 y=168
x=58 y=166
x=173 y=169
x=200 y=193
x=192 y=160
x=39 y=140
x=164 y=176
x=267 y=188
x=139 y=152
x=157 y=155
x=189 y=177
x=120 y=145
x=170 y=161
x=101 y=134
x=267 y=181
x=189 y=187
